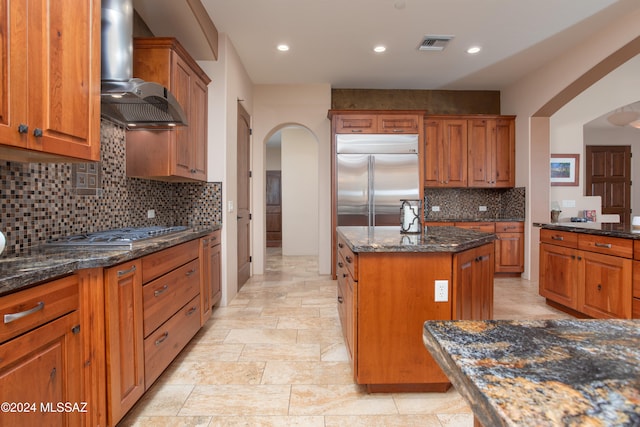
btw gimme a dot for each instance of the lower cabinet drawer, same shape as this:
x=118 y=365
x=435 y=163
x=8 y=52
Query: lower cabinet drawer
x=162 y=346
x=25 y=310
x=168 y=293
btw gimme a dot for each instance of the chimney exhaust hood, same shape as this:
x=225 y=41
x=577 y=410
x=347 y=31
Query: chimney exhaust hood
x=127 y=101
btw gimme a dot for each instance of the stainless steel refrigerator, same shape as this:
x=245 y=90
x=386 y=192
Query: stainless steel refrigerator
x=374 y=173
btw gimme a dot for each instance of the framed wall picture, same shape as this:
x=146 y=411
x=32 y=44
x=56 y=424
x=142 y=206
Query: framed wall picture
x=564 y=169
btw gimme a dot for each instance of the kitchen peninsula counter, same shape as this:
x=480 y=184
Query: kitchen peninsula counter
x=542 y=372
x=41 y=263
x=390 y=283
x=595 y=228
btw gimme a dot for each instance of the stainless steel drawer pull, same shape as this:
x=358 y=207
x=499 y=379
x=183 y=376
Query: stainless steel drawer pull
x=8 y=318
x=557 y=238
x=162 y=338
x=192 y=310
x=190 y=272
x=124 y=272
x=160 y=291
x=603 y=245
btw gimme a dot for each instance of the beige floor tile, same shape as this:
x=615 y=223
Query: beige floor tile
x=262 y=336
x=267 y=421
x=431 y=403
x=163 y=399
x=202 y=371
x=291 y=352
x=383 y=421
x=277 y=372
x=166 y=422
x=336 y=399
x=245 y=400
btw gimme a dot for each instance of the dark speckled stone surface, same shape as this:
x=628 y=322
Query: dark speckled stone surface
x=542 y=372
x=597 y=228
x=44 y=263
x=434 y=239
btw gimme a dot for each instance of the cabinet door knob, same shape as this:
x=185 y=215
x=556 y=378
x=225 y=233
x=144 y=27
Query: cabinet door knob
x=340 y=300
x=37 y=132
x=599 y=287
x=22 y=128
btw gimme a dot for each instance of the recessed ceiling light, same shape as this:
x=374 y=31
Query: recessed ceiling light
x=473 y=49
x=379 y=49
x=283 y=47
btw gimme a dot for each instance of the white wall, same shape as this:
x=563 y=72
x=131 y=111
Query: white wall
x=275 y=107
x=230 y=83
x=525 y=97
x=299 y=192
x=567 y=136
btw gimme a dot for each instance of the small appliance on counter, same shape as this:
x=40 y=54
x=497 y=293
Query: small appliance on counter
x=3 y=240
x=555 y=215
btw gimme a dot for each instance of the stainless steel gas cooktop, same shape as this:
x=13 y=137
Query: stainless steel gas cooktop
x=121 y=238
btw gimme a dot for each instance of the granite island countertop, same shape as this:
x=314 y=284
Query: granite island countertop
x=608 y=229
x=41 y=263
x=434 y=239
x=542 y=372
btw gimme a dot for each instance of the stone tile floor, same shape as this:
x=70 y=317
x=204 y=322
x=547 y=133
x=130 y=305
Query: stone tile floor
x=275 y=357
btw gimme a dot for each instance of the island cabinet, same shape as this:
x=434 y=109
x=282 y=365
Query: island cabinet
x=590 y=275
x=635 y=303
x=384 y=299
x=469 y=151
x=178 y=154
x=41 y=355
x=509 y=247
x=50 y=80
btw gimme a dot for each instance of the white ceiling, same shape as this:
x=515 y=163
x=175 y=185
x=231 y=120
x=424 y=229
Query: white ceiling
x=332 y=40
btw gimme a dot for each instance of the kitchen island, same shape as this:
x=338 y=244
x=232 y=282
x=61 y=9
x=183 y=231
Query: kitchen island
x=390 y=283
x=542 y=372
x=591 y=269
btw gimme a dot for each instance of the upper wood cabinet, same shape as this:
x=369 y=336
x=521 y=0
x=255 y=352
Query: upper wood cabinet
x=178 y=154
x=492 y=153
x=470 y=151
x=377 y=122
x=445 y=153
x=50 y=80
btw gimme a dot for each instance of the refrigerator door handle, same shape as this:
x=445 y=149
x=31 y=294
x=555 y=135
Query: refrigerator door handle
x=372 y=186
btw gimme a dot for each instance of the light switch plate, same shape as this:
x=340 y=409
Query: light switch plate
x=442 y=291
x=482 y=208
x=435 y=208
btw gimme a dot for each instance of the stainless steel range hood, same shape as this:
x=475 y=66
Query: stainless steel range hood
x=125 y=100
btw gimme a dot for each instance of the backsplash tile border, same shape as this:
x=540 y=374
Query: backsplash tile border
x=39 y=200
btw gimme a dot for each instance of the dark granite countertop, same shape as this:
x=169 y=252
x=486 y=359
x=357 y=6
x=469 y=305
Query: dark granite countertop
x=597 y=228
x=42 y=263
x=434 y=239
x=542 y=372
x=474 y=220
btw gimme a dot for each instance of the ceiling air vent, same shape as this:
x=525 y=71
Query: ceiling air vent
x=434 y=42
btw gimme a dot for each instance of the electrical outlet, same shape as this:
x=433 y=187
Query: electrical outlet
x=230 y=206
x=442 y=291
x=435 y=208
x=482 y=208
x=151 y=213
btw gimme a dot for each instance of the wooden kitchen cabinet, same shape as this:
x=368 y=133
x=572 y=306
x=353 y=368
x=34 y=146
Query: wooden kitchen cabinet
x=589 y=274
x=50 y=80
x=347 y=286
x=509 y=247
x=41 y=355
x=492 y=153
x=377 y=122
x=211 y=282
x=124 y=338
x=445 y=153
x=178 y=154
x=470 y=151
x=473 y=284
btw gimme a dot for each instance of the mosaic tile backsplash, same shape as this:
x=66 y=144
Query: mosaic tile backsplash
x=48 y=200
x=464 y=203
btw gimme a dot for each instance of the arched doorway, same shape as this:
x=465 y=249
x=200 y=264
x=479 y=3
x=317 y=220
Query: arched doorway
x=292 y=190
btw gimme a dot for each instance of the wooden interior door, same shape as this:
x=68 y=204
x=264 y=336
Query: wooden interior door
x=274 y=209
x=608 y=175
x=243 y=206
